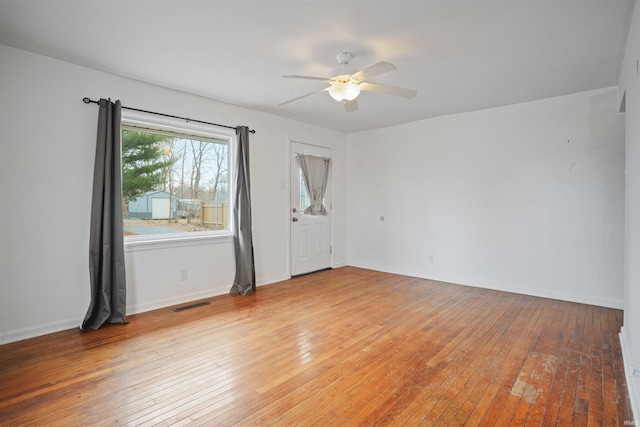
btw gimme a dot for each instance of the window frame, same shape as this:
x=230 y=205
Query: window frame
x=152 y=122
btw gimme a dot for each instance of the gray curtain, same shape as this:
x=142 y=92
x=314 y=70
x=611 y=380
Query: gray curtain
x=245 y=280
x=106 y=241
x=315 y=171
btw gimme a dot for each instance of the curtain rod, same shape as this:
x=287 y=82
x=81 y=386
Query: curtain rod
x=91 y=101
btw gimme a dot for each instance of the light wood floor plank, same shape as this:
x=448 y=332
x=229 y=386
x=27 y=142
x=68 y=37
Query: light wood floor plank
x=335 y=348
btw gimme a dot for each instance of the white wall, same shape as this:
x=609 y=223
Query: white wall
x=47 y=137
x=526 y=198
x=630 y=88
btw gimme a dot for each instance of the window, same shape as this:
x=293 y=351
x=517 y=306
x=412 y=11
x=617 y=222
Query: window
x=174 y=181
x=305 y=200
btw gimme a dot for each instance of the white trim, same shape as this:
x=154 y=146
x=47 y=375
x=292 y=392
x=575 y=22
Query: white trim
x=633 y=382
x=39 y=330
x=174 y=125
x=180 y=299
x=271 y=280
x=179 y=240
x=303 y=141
x=178 y=126
x=187 y=298
x=542 y=293
x=64 y=325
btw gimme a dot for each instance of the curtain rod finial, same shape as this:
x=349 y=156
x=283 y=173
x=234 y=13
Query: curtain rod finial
x=86 y=100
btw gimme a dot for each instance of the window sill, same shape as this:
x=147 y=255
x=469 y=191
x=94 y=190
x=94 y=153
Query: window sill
x=177 y=240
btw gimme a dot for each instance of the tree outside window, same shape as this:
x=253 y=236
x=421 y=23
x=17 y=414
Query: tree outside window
x=173 y=182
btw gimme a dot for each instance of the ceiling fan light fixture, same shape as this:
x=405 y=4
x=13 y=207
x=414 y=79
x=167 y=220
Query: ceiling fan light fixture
x=345 y=83
x=344 y=91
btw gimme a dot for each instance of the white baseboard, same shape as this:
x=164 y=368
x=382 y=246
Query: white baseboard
x=543 y=293
x=209 y=293
x=180 y=299
x=270 y=280
x=36 y=331
x=49 y=328
x=633 y=382
x=464 y=281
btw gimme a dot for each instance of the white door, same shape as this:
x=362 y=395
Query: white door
x=310 y=234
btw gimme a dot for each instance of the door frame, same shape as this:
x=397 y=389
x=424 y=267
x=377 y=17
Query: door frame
x=295 y=140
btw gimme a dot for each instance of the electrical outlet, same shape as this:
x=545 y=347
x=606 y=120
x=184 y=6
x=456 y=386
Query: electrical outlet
x=184 y=274
x=431 y=259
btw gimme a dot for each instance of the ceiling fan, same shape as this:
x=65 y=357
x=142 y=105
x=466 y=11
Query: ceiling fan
x=345 y=83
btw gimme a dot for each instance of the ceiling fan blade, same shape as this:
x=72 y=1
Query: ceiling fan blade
x=350 y=106
x=322 y=79
x=373 y=70
x=304 y=96
x=389 y=90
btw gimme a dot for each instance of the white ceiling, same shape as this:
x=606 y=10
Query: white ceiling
x=459 y=55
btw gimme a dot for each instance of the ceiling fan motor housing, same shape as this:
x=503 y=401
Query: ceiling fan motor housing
x=344 y=72
x=344 y=58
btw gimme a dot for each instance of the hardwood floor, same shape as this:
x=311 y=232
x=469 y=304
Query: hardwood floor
x=340 y=347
